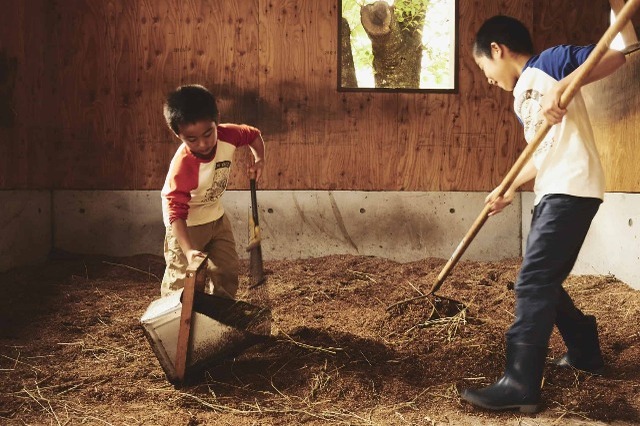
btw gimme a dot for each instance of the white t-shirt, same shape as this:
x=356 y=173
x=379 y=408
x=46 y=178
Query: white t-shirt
x=567 y=159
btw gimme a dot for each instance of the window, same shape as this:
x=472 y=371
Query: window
x=397 y=45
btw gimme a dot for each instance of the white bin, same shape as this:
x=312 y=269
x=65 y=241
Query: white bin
x=210 y=341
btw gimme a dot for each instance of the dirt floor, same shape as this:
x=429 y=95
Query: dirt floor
x=72 y=350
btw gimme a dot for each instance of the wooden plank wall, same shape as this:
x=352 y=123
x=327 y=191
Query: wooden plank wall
x=614 y=107
x=85 y=80
x=26 y=114
x=613 y=103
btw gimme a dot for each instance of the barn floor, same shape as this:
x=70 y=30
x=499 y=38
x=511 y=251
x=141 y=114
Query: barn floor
x=72 y=350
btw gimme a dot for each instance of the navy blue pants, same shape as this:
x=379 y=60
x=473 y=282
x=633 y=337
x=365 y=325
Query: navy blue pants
x=558 y=229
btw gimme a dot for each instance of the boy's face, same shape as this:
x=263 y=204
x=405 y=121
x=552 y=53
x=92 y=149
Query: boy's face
x=200 y=137
x=498 y=69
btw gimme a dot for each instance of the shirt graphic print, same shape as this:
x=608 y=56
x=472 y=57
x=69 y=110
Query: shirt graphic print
x=220 y=181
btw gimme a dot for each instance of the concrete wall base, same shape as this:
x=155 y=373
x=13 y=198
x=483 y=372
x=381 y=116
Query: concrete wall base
x=114 y=223
x=612 y=245
x=25 y=220
x=402 y=226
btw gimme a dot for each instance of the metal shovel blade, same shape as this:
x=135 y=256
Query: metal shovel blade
x=220 y=329
x=238 y=314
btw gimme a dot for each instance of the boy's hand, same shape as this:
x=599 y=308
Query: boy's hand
x=257 y=169
x=498 y=203
x=192 y=254
x=550 y=105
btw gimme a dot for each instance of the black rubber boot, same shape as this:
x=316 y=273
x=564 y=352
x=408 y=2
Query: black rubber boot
x=519 y=387
x=583 y=346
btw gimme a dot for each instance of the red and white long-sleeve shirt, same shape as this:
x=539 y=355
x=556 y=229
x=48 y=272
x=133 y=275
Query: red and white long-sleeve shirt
x=193 y=186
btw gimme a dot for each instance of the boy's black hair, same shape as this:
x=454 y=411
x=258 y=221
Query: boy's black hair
x=189 y=104
x=502 y=30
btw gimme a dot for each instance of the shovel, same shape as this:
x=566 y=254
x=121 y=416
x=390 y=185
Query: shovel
x=598 y=52
x=189 y=330
x=256 y=268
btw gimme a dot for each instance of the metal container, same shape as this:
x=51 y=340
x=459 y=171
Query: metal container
x=211 y=340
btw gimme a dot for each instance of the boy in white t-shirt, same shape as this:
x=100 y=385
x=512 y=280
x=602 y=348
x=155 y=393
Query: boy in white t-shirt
x=569 y=187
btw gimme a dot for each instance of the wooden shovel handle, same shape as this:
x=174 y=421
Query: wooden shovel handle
x=254 y=198
x=186 y=313
x=598 y=52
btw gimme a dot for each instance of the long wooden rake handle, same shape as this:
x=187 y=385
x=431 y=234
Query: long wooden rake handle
x=598 y=52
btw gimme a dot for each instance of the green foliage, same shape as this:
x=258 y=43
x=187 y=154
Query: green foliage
x=410 y=13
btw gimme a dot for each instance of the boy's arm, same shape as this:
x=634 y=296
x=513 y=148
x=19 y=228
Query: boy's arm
x=498 y=204
x=258 y=150
x=179 y=229
x=611 y=61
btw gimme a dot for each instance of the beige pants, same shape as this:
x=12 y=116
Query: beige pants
x=216 y=240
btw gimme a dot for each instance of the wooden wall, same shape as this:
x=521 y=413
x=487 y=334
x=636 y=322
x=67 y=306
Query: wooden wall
x=82 y=84
x=614 y=106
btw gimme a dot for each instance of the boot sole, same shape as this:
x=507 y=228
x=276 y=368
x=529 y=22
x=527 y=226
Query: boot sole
x=562 y=363
x=523 y=408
